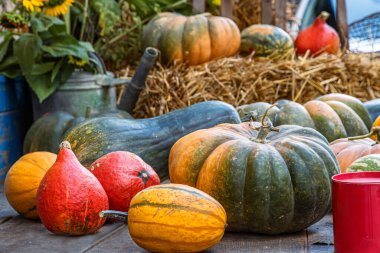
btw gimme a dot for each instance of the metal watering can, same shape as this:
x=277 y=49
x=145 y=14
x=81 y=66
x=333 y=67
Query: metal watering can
x=84 y=89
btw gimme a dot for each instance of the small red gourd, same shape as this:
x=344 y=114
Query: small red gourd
x=70 y=197
x=122 y=175
x=318 y=38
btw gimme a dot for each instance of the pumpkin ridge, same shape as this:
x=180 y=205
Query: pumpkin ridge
x=257 y=148
x=173 y=206
x=237 y=152
x=189 y=191
x=321 y=149
x=210 y=38
x=179 y=227
x=351 y=121
x=273 y=206
x=302 y=164
x=285 y=151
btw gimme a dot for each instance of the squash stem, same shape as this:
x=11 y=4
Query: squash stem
x=64 y=144
x=374 y=131
x=265 y=128
x=122 y=216
x=324 y=15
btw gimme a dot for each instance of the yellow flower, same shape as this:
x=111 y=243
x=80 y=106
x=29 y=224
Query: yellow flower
x=216 y=2
x=32 y=5
x=76 y=61
x=57 y=7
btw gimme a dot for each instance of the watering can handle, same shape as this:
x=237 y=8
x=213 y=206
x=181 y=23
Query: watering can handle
x=99 y=63
x=105 y=80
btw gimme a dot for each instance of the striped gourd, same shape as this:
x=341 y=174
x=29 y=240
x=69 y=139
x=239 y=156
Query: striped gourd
x=265 y=41
x=366 y=163
x=174 y=218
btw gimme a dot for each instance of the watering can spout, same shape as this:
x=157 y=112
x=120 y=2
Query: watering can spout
x=129 y=98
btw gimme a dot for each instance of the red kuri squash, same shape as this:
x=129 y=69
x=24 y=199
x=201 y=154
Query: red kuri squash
x=70 y=197
x=122 y=175
x=318 y=38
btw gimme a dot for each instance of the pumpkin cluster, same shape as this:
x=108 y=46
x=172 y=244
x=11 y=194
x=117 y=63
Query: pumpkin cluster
x=270 y=175
x=66 y=196
x=258 y=168
x=334 y=115
x=201 y=38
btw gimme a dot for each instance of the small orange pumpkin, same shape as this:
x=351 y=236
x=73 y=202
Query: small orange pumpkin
x=376 y=123
x=23 y=179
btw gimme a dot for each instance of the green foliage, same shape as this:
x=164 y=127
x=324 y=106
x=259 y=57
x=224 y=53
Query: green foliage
x=123 y=45
x=108 y=13
x=41 y=55
x=54 y=47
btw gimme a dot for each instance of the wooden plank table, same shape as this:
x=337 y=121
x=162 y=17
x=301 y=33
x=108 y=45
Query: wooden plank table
x=21 y=235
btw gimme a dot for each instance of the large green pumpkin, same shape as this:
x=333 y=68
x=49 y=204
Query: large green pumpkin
x=334 y=115
x=46 y=133
x=151 y=138
x=265 y=40
x=194 y=39
x=268 y=183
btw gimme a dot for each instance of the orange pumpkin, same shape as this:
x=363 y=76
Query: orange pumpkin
x=194 y=39
x=23 y=179
x=376 y=123
x=347 y=150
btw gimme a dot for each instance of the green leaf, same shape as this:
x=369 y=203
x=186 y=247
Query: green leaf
x=61 y=46
x=26 y=49
x=108 y=12
x=42 y=85
x=40 y=69
x=56 y=68
x=5 y=39
x=9 y=67
x=65 y=73
x=42 y=23
x=87 y=46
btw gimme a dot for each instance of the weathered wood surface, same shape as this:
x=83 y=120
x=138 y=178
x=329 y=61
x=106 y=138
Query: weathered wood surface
x=20 y=235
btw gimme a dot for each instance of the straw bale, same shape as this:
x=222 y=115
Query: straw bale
x=239 y=81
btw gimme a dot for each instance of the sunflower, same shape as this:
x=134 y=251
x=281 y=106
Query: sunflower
x=32 y=5
x=57 y=7
x=76 y=61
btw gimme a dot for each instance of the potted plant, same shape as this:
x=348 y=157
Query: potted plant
x=49 y=43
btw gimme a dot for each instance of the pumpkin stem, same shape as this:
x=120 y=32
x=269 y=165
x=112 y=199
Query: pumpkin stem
x=64 y=144
x=324 y=15
x=122 y=216
x=374 y=131
x=265 y=128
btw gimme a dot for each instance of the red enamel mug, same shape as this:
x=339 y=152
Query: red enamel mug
x=356 y=212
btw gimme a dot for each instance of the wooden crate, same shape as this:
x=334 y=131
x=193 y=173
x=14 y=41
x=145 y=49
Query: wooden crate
x=226 y=10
